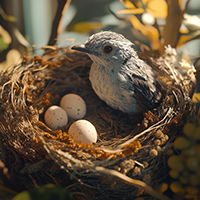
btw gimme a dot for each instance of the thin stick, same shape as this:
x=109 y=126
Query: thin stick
x=57 y=22
x=137 y=183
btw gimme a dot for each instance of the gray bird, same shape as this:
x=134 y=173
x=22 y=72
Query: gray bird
x=118 y=76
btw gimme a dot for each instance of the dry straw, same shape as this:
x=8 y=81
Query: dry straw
x=132 y=148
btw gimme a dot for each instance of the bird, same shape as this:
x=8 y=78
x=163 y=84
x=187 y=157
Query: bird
x=118 y=76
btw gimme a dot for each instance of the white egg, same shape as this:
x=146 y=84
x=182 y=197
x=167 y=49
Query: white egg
x=55 y=117
x=74 y=105
x=82 y=131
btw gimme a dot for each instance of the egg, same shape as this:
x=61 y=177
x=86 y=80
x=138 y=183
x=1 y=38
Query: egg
x=55 y=117
x=82 y=131
x=74 y=105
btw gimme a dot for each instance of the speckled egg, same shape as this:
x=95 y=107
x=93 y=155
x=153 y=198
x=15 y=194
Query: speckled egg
x=55 y=117
x=82 y=131
x=74 y=105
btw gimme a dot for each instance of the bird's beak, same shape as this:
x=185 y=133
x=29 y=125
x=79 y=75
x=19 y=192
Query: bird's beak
x=81 y=47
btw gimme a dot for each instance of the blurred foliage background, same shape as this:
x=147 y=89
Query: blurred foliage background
x=27 y=25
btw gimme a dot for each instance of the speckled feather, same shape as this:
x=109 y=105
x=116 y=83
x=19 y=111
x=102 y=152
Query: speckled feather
x=120 y=78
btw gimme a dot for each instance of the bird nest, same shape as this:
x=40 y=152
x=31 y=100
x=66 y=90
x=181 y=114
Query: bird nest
x=128 y=146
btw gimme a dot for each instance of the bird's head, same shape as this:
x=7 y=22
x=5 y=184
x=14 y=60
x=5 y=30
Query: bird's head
x=107 y=48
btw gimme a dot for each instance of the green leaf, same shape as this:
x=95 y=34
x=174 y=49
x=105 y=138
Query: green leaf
x=86 y=27
x=25 y=195
x=3 y=44
x=46 y=192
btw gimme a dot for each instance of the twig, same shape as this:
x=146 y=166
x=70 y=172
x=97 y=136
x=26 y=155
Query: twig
x=137 y=183
x=57 y=22
x=153 y=127
x=173 y=23
x=7 y=180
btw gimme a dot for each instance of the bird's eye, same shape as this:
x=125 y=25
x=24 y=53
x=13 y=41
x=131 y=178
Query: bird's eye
x=107 y=49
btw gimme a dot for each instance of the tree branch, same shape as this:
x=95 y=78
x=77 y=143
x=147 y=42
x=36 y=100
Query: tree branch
x=58 y=20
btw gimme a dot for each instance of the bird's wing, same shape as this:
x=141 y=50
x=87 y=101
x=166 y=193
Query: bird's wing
x=145 y=88
x=146 y=94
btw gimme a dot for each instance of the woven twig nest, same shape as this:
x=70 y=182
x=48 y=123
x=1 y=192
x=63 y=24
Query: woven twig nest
x=136 y=146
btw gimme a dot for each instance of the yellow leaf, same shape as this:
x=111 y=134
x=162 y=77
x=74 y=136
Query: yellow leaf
x=13 y=57
x=196 y=98
x=7 y=17
x=130 y=5
x=158 y=8
x=152 y=32
x=86 y=27
x=11 y=18
x=185 y=38
x=137 y=24
x=153 y=35
x=147 y=30
x=183 y=30
x=132 y=11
